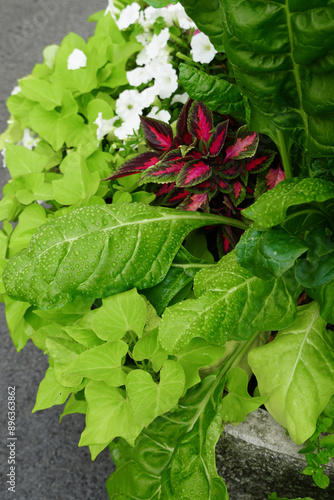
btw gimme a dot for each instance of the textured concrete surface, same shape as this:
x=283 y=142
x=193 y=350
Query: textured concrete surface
x=254 y=459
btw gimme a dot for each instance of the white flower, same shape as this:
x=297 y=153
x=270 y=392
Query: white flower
x=138 y=76
x=29 y=141
x=129 y=104
x=16 y=90
x=148 y=95
x=182 y=98
x=3 y=154
x=175 y=14
x=166 y=80
x=129 y=127
x=128 y=16
x=112 y=9
x=161 y=114
x=157 y=43
x=77 y=59
x=202 y=49
x=104 y=127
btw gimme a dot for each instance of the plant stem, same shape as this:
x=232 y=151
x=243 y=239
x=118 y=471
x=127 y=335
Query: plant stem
x=187 y=59
x=178 y=40
x=285 y=154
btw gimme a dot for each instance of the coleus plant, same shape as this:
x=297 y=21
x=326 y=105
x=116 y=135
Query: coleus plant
x=164 y=384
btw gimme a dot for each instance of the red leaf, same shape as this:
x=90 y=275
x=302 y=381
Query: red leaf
x=274 y=176
x=163 y=172
x=200 y=121
x=165 y=189
x=159 y=135
x=194 y=202
x=193 y=173
x=183 y=134
x=232 y=171
x=255 y=165
x=244 y=147
x=135 y=165
x=176 y=197
x=218 y=138
x=226 y=188
x=237 y=188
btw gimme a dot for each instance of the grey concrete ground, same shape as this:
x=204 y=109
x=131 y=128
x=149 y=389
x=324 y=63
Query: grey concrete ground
x=253 y=461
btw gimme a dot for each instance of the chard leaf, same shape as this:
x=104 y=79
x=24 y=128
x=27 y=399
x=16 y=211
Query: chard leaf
x=216 y=93
x=230 y=304
x=51 y=392
x=97 y=251
x=148 y=399
x=296 y=370
x=271 y=208
x=238 y=403
x=119 y=314
x=109 y=415
x=103 y=362
x=179 y=452
x=268 y=254
x=181 y=273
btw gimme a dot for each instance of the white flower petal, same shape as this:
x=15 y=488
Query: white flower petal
x=104 y=127
x=129 y=104
x=182 y=98
x=161 y=114
x=128 y=16
x=202 y=49
x=3 y=154
x=29 y=141
x=128 y=128
x=166 y=80
x=112 y=9
x=77 y=59
x=138 y=76
x=157 y=43
x=16 y=90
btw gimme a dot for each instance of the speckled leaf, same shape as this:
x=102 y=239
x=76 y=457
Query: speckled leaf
x=103 y=362
x=148 y=399
x=97 y=251
x=268 y=254
x=231 y=303
x=270 y=209
x=179 y=451
x=297 y=371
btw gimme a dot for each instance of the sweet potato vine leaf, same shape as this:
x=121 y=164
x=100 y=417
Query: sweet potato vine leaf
x=230 y=303
x=179 y=451
x=296 y=370
x=97 y=251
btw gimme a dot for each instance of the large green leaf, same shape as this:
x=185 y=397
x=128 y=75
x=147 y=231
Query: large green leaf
x=174 y=457
x=218 y=94
x=280 y=54
x=231 y=303
x=297 y=371
x=98 y=251
x=271 y=208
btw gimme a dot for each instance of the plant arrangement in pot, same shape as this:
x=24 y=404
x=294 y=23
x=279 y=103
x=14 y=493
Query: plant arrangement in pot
x=175 y=233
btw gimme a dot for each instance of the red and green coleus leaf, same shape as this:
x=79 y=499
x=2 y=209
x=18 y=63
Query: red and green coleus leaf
x=231 y=170
x=217 y=139
x=244 y=147
x=193 y=173
x=261 y=162
x=176 y=196
x=136 y=165
x=200 y=122
x=195 y=201
x=274 y=176
x=183 y=136
x=158 y=135
x=163 y=172
x=238 y=193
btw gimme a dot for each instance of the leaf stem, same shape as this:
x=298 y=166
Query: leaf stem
x=187 y=59
x=285 y=154
x=178 y=40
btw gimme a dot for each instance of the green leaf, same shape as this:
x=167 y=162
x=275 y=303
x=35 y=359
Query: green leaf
x=182 y=271
x=297 y=370
x=268 y=254
x=120 y=314
x=50 y=392
x=49 y=95
x=81 y=331
x=22 y=161
x=324 y=295
x=96 y=251
x=35 y=188
x=109 y=415
x=230 y=304
x=179 y=452
x=148 y=399
x=238 y=403
x=63 y=352
x=149 y=348
x=101 y=363
x=30 y=219
x=281 y=59
x=19 y=329
x=271 y=208
x=219 y=95
x=73 y=405
x=77 y=182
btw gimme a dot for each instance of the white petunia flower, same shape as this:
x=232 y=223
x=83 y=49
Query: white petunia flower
x=128 y=16
x=202 y=49
x=104 y=127
x=138 y=76
x=161 y=114
x=3 y=154
x=166 y=80
x=112 y=9
x=77 y=59
x=129 y=104
x=175 y=14
x=16 y=90
x=157 y=43
x=182 y=98
x=29 y=141
x=148 y=95
x=129 y=127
